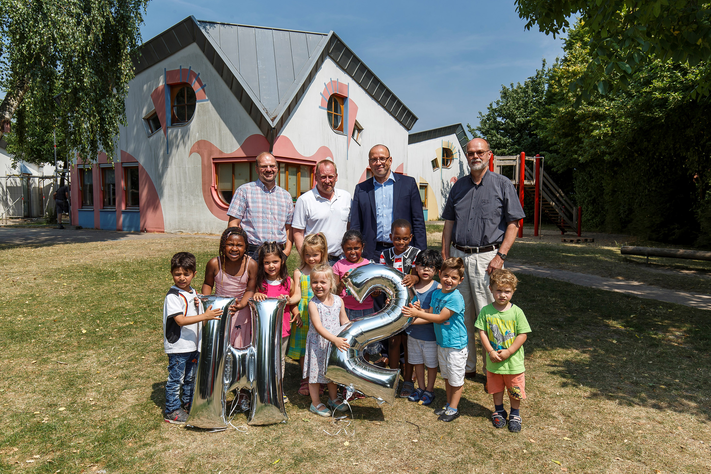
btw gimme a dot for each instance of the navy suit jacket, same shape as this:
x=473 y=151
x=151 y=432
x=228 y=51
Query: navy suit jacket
x=406 y=205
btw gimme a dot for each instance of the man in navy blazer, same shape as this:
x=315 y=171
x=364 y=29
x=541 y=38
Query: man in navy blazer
x=377 y=202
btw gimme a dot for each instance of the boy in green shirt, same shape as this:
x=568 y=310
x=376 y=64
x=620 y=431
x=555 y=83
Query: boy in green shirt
x=503 y=329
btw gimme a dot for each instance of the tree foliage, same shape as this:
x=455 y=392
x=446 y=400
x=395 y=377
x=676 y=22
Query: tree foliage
x=509 y=124
x=66 y=65
x=626 y=35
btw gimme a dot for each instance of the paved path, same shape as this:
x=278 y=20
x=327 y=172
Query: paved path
x=628 y=287
x=38 y=236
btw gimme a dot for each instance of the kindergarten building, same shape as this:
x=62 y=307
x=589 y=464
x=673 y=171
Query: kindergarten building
x=208 y=97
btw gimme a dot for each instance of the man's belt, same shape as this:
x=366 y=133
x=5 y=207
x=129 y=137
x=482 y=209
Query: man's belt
x=485 y=248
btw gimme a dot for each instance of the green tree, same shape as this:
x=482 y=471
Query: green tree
x=641 y=155
x=625 y=35
x=510 y=123
x=66 y=64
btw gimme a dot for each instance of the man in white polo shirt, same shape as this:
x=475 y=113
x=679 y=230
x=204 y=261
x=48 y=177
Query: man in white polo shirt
x=323 y=209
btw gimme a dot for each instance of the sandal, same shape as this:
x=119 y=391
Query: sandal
x=407 y=389
x=514 y=423
x=304 y=387
x=416 y=395
x=337 y=404
x=427 y=398
x=320 y=410
x=498 y=419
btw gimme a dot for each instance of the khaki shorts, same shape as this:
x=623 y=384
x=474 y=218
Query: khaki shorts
x=451 y=364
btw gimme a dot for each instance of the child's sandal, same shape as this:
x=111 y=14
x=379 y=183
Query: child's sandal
x=514 y=423
x=304 y=387
x=407 y=389
x=320 y=410
x=427 y=398
x=416 y=395
x=498 y=419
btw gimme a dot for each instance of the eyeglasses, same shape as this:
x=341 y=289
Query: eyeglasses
x=478 y=153
x=379 y=160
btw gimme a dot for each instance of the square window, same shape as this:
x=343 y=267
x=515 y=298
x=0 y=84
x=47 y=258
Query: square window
x=152 y=123
x=230 y=176
x=435 y=164
x=357 y=132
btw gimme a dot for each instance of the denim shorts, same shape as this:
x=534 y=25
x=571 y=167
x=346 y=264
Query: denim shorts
x=359 y=313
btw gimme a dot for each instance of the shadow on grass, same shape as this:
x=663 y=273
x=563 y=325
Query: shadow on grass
x=26 y=237
x=638 y=352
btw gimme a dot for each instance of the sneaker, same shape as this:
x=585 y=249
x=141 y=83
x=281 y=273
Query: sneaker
x=427 y=398
x=416 y=395
x=244 y=404
x=514 y=423
x=498 y=419
x=177 y=417
x=337 y=405
x=186 y=407
x=441 y=411
x=320 y=410
x=286 y=399
x=450 y=415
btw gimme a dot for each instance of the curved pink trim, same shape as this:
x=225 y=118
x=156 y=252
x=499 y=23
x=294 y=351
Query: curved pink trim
x=178 y=76
x=284 y=150
x=453 y=180
x=400 y=169
x=364 y=176
x=251 y=147
x=333 y=87
x=148 y=200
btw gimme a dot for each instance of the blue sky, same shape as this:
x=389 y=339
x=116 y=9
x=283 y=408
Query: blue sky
x=445 y=60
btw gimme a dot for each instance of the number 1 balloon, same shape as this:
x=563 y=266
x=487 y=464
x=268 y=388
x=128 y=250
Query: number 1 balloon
x=222 y=368
x=348 y=367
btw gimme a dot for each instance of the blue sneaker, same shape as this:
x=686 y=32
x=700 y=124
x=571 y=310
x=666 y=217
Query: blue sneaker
x=416 y=395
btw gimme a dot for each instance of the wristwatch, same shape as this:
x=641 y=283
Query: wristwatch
x=502 y=256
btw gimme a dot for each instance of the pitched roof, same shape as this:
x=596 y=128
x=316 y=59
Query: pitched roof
x=455 y=129
x=268 y=69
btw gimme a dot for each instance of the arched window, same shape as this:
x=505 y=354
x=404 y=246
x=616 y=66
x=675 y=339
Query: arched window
x=182 y=103
x=335 y=113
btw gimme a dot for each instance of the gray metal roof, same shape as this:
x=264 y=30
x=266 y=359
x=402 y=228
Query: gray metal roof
x=268 y=69
x=455 y=129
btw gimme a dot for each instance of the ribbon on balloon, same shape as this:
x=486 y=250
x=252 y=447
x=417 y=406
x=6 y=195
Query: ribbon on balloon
x=349 y=368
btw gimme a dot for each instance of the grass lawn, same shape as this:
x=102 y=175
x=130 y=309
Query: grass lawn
x=614 y=383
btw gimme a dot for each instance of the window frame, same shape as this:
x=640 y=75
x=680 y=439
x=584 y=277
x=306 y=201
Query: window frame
x=253 y=176
x=284 y=166
x=447 y=158
x=149 y=124
x=331 y=114
x=126 y=188
x=435 y=164
x=175 y=90
x=86 y=197
x=104 y=194
x=357 y=132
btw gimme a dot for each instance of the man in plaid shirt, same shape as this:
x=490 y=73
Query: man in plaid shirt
x=263 y=209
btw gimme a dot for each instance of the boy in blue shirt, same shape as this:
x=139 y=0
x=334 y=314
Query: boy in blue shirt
x=181 y=336
x=447 y=312
x=503 y=329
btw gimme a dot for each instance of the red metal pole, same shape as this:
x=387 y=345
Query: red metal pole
x=522 y=177
x=537 y=209
x=580 y=219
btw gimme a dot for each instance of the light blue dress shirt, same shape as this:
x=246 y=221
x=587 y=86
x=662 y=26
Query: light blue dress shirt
x=384 y=207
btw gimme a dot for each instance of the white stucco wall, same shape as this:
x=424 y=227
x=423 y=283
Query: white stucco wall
x=439 y=181
x=308 y=128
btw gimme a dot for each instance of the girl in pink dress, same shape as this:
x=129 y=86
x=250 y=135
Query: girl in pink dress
x=352 y=245
x=233 y=274
x=273 y=281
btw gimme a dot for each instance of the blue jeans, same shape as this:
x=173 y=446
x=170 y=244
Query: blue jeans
x=181 y=373
x=358 y=313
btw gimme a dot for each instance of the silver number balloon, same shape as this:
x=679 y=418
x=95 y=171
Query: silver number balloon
x=349 y=368
x=222 y=368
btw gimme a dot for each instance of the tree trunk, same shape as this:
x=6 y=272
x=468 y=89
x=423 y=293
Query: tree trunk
x=10 y=103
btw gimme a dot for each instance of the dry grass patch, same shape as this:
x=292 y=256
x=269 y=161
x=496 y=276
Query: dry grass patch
x=615 y=384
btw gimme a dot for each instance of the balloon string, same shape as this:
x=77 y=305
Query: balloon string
x=335 y=420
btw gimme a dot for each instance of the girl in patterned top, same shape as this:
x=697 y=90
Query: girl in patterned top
x=327 y=315
x=313 y=252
